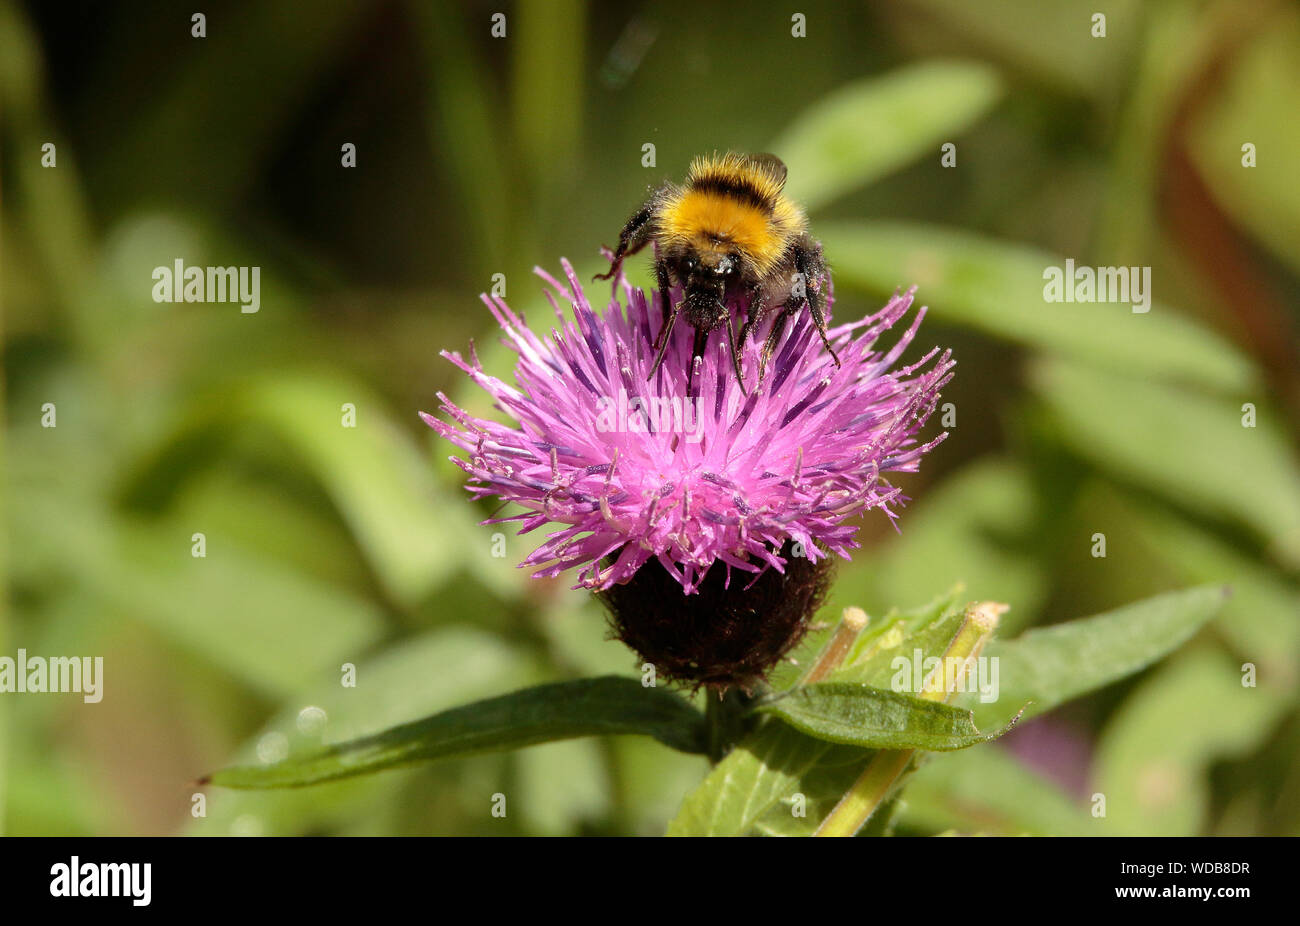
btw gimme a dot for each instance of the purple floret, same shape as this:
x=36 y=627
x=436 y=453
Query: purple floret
x=629 y=469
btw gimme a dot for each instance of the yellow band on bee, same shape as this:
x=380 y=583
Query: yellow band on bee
x=718 y=221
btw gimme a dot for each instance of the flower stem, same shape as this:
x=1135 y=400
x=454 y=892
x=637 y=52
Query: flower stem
x=724 y=718
x=713 y=723
x=887 y=766
x=851 y=624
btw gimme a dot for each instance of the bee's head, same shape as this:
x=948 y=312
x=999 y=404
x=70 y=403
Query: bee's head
x=707 y=278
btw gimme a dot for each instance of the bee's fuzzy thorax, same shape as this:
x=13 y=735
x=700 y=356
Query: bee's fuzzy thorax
x=731 y=202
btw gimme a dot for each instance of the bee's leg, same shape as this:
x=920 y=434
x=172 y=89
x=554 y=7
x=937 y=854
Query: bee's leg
x=665 y=291
x=697 y=351
x=634 y=236
x=735 y=355
x=809 y=263
x=661 y=342
x=774 y=335
x=754 y=314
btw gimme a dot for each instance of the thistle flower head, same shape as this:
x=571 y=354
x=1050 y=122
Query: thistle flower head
x=629 y=470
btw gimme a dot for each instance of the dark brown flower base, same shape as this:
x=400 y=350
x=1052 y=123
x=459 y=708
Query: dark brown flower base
x=719 y=637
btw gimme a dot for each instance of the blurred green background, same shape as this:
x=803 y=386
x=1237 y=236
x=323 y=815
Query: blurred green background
x=477 y=156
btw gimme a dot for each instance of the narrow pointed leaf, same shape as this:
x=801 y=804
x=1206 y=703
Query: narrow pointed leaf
x=1050 y=665
x=562 y=710
x=1043 y=667
x=1132 y=427
x=874 y=126
x=775 y=760
x=875 y=718
x=998 y=287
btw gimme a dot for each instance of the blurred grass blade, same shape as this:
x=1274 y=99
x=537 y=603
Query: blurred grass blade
x=1190 y=448
x=563 y=710
x=867 y=129
x=464 y=128
x=853 y=714
x=997 y=287
x=547 y=100
x=1256 y=102
x=48 y=205
x=1259 y=620
x=411 y=530
x=1174 y=47
x=272 y=627
x=197 y=116
x=1040 y=41
x=1051 y=665
x=377 y=476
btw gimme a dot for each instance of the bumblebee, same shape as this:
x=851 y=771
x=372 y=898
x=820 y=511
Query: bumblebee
x=729 y=237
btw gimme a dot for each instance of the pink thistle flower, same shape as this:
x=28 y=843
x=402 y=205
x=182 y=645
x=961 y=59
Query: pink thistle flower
x=639 y=470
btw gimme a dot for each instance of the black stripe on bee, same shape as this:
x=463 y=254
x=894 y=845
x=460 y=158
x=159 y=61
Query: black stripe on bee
x=739 y=190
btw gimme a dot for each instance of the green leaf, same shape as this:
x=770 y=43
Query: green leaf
x=859 y=715
x=411 y=530
x=775 y=761
x=558 y=711
x=1259 y=619
x=745 y=790
x=394 y=685
x=869 y=128
x=821 y=786
x=997 y=287
x=272 y=627
x=928 y=629
x=1050 y=665
x=765 y=768
x=1189 y=447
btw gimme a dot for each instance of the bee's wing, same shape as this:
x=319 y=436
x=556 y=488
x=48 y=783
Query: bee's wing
x=769 y=163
